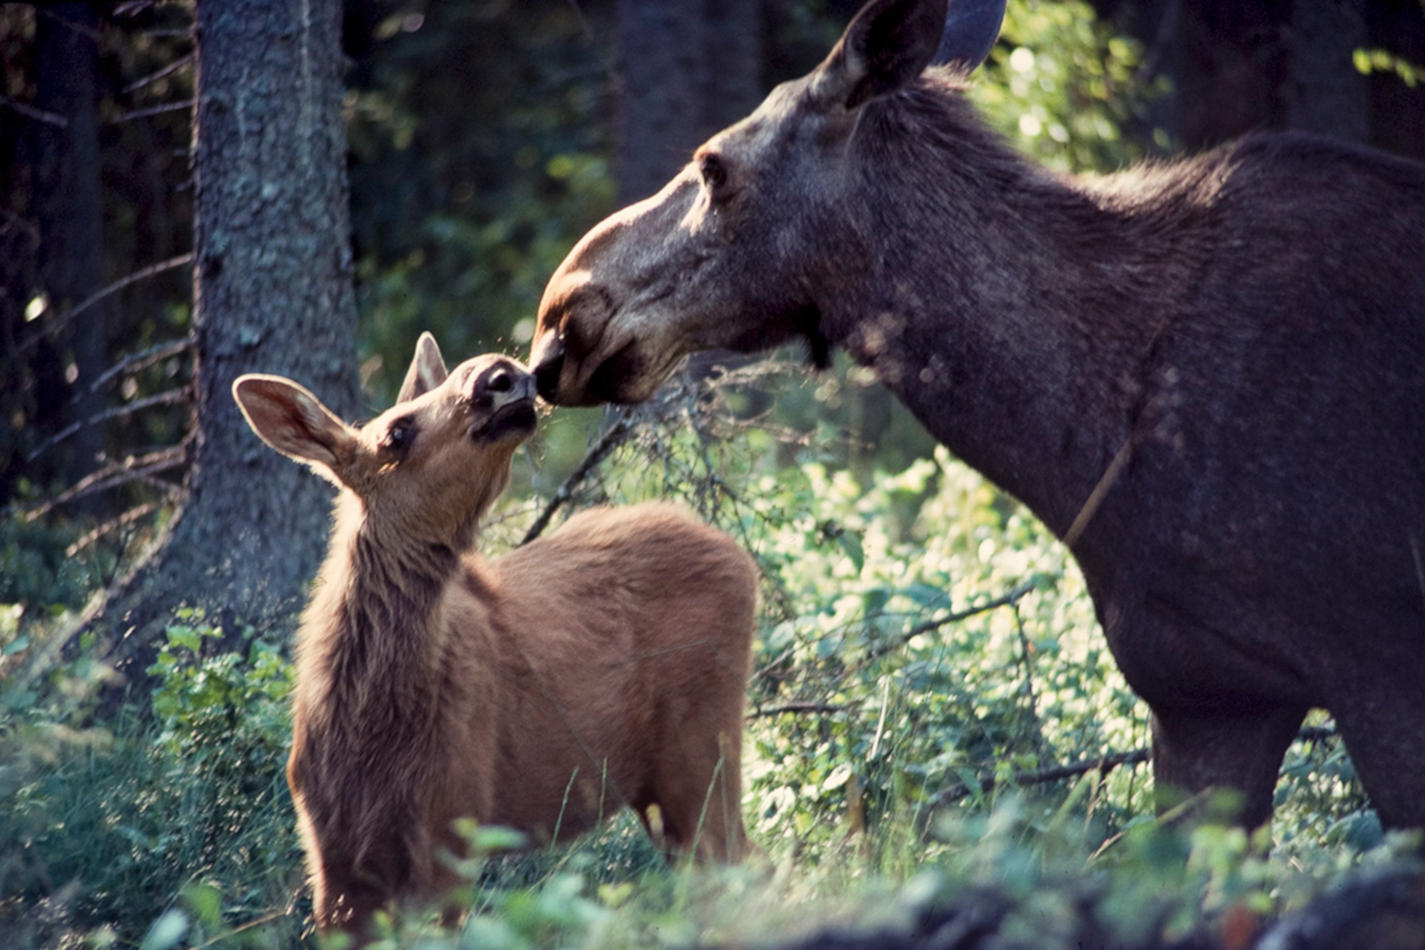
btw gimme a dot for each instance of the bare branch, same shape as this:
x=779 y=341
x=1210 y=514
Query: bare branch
x=613 y=437
x=137 y=361
x=123 y=521
x=115 y=474
x=163 y=73
x=166 y=398
x=147 y=111
x=54 y=326
x=768 y=711
x=1004 y=600
x=39 y=115
x=1105 y=763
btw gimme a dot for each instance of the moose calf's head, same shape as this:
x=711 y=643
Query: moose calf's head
x=434 y=461
x=742 y=247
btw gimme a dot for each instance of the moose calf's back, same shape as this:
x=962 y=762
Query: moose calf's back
x=641 y=620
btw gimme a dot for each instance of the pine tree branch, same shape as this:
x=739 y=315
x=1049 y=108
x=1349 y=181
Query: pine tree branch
x=166 y=398
x=54 y=326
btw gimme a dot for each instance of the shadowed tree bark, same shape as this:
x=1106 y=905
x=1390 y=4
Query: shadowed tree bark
x=1279 y=64
x=69 y=209
x=272 y=293
x=689 y=67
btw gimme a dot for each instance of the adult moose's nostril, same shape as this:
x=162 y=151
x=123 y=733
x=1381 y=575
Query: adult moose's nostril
x=547 y=370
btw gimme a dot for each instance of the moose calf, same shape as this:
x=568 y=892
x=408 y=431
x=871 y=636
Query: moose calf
x=602 y=666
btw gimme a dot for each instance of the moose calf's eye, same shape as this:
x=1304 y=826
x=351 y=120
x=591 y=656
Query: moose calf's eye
x=399 y=437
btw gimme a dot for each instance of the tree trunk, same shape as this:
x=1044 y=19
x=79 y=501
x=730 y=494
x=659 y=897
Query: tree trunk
x=272 y=293
x=689 y=68
x=70 y=214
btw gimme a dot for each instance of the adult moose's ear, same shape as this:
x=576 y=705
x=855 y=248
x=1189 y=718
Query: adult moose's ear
x=971 y=28
x=427 y=369
x=294 y=422
x=886 y=46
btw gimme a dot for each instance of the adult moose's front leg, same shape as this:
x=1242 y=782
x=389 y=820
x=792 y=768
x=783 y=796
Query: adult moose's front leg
x=1197 y=750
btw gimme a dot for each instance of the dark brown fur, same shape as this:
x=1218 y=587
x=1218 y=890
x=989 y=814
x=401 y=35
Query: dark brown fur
x=601 y=667
x=1208 y=376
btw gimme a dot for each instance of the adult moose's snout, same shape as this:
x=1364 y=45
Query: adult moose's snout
x=548 y=363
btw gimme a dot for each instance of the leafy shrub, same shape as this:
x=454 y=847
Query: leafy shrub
x=104 y=826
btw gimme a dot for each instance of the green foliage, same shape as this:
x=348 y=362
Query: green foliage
x=187 y=805
x=1369 y=61
x=1064 y=88
x=457 y=222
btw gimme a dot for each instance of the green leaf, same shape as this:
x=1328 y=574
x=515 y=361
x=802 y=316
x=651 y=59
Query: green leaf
x=851 y=544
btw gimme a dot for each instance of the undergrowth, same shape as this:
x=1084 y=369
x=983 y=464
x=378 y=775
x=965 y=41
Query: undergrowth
x=927 y=666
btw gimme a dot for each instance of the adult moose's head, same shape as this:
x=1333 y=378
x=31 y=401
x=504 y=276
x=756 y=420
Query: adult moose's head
x=1204 y=375
x=742 y=249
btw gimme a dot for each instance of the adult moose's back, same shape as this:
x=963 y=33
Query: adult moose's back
x=1207 y=376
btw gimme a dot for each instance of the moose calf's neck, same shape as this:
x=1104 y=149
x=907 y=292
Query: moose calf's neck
x=368 y=636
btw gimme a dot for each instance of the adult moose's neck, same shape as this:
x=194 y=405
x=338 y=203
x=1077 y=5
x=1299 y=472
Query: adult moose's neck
x=1009 y=309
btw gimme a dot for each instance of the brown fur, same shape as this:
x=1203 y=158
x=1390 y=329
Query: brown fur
x=600 y=667
x=1207 y=376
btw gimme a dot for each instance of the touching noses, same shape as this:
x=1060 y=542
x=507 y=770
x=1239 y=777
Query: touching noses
x=548 y=361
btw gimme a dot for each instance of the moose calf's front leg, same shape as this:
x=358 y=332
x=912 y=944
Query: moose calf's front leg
x=1197 y=750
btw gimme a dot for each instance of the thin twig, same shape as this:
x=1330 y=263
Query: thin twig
x=39 y=115
x=1104 y=763
x=144 y=113
x=768 y=711
x=138 y=361
x=166 y=71
x=613 y=437
x=166 y=398
x=137 y=468
x=123 y=521
x=53 y=326
x=1004 y=600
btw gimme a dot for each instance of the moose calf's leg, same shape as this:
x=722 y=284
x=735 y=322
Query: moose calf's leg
x=698 y=793
x=1194 y=751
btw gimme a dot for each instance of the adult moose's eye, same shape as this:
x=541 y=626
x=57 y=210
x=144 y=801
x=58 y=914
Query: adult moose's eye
x=714 y=173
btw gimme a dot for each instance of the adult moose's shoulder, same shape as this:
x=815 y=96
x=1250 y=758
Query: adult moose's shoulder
x=1204 y=375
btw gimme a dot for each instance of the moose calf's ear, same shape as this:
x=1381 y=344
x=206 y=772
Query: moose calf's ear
x=427 y=370
x=293 y=421
x=888 y=44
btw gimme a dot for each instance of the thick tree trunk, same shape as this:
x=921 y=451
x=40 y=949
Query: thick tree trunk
x=70 y=211
x=689 y=67
x=272 y=293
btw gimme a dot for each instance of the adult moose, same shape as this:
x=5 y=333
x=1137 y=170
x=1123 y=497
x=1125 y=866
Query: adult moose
x=1208 y=377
